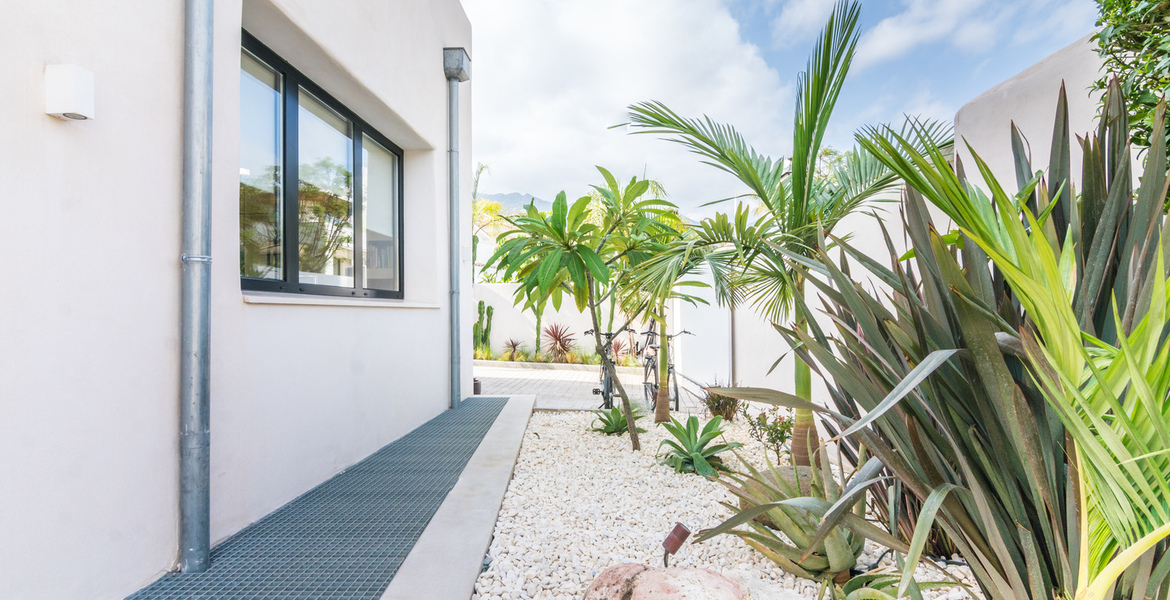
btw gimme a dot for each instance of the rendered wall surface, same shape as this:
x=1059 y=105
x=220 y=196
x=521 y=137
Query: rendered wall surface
x=89 y=326
x=1029 y=100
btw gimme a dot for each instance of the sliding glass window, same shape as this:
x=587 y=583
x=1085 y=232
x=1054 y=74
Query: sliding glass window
x=320 y=190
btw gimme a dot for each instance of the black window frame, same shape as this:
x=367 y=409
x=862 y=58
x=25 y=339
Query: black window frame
x=292 y=81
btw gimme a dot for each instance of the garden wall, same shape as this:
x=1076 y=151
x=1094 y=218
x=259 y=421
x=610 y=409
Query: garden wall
x=1029 y=100
x=509 y=321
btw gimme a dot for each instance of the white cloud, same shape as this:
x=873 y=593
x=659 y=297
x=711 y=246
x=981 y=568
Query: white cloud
x=922 y=22
x=924 y=105
x=550 y=77
x=800 y=20
x=973 y=26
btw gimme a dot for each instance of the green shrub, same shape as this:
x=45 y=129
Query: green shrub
x=689 y=452
x=720 y=405
x=771 y=427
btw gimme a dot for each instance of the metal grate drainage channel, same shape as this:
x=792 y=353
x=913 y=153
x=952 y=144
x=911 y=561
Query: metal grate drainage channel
x=347 y=537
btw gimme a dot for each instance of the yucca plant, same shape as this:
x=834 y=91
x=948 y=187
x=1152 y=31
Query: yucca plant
x=558 y=341
x=881 y=584
x=691 y=450
x=1017 y=387
x=512 y=348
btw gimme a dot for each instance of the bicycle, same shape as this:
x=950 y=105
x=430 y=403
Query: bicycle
x=607 y=389
x=650 y=369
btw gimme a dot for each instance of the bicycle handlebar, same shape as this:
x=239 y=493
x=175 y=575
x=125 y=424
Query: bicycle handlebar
x=611 y=334
x=655 y=333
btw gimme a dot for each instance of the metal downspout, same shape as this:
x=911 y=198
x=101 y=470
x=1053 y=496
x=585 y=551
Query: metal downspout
x=195 y=337
x=457 y=68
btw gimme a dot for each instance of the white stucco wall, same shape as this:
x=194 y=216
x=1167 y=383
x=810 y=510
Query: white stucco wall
x=88 y=338
x=1029 y=99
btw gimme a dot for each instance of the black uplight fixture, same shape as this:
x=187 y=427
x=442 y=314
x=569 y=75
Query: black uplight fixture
x=674 y=541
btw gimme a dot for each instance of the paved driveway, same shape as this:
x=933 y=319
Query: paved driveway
x=562 y=387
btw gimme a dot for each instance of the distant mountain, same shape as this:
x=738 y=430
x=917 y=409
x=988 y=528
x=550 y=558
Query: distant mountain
x=517 y=202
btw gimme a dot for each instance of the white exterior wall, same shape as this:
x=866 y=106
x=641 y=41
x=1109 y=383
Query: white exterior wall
x=89 y=336
x=1029 y=99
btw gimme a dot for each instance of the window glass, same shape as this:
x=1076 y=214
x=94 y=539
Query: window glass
x=379 y=216
x=261 y=216
x=325 y=164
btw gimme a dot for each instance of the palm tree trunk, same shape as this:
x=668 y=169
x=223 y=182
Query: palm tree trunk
x=662 y=400
x=804 y=427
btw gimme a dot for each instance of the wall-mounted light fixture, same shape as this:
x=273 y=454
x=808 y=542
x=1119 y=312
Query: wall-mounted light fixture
x=69 y=92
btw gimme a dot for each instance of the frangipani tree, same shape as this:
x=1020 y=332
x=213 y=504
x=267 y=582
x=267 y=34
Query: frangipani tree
x=586 y=251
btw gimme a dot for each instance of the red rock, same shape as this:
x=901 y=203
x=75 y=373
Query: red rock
x=631 y=581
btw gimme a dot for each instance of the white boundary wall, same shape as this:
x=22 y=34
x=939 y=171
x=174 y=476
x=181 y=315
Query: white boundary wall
x=1029 y=100
x=508 y=321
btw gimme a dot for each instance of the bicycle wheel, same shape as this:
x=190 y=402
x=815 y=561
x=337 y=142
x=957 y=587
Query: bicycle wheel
x=606 y=391
x=651 y=391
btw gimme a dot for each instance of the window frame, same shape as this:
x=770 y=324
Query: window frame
x=292 y=81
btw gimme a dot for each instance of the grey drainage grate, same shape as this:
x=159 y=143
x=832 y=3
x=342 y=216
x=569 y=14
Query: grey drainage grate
x=347 y=537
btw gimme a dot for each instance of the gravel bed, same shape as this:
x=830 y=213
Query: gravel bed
x=580 y=502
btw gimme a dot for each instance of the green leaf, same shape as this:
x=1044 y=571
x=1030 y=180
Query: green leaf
x=921 y=531
x=932 y=361
x=548 y=270
x=594 y=264
x=559 y=210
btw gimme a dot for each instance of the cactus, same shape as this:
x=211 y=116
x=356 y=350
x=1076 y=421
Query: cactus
x=481 y=330
x=487 y=328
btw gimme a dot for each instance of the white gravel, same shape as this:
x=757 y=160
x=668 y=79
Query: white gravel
x=580 y=502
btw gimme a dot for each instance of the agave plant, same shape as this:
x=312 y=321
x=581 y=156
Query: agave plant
x=1018 y=385
x=794 y=501
x=613 y=421
x=690 y=452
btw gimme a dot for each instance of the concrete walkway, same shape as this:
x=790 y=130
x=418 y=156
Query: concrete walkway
x=435 y=487
x=565 y=387
x=448 y=557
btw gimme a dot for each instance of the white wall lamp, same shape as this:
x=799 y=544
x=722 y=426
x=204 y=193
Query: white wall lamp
x=69 y=92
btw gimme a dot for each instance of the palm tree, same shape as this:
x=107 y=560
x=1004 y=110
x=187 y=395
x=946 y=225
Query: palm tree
x=750 y=255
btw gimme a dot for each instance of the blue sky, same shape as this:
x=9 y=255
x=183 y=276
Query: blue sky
x=549 y=77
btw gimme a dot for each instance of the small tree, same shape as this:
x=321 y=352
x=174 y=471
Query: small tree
x=1134 y=41
x=587 y=252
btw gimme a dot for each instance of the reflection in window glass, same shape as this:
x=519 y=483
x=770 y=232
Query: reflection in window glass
x=261 y=217
x=379 y=216
x=325 y=194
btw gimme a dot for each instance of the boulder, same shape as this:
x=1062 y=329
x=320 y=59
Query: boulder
x=638 y=582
